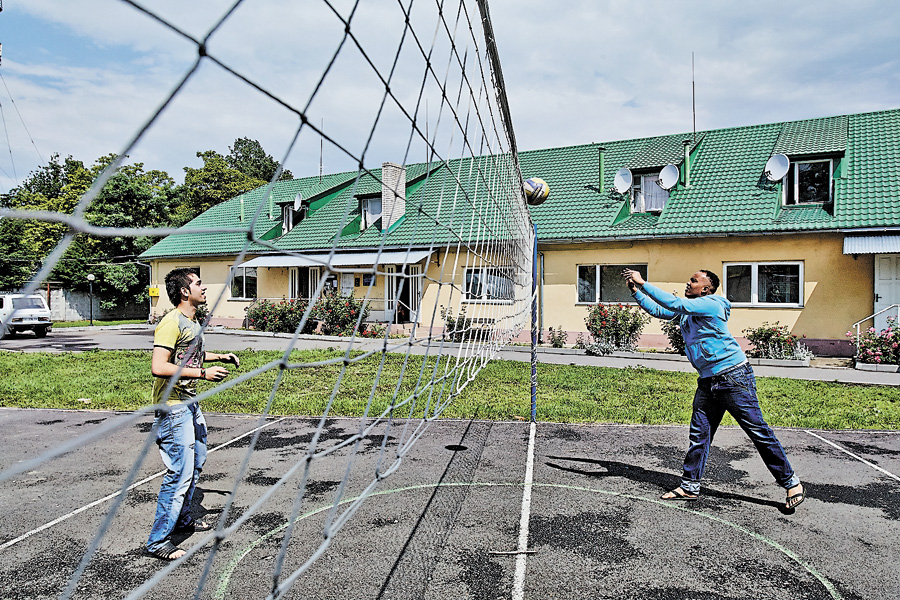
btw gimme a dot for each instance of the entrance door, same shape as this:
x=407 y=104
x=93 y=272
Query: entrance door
x=887 y=287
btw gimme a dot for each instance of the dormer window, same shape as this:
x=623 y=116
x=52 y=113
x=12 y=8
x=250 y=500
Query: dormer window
x=647 y=195
x=290 y=217
x=370 y=209
x=809 y=182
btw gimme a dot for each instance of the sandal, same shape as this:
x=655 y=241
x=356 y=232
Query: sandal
x=167 y=552
x=193 y=526
x=793 y=500
x=679 y=494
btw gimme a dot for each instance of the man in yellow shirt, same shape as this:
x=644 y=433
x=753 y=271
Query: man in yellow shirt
x=180 y=426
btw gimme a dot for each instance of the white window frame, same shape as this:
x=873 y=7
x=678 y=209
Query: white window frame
x=794 y=173
x=485 y=271
x=638 y=201
x=598 y=289
x=369 y=216
x=242 y=272
x=754 y=284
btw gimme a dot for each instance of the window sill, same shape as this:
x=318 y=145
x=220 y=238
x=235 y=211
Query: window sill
x=241 y=300
x=769 y=305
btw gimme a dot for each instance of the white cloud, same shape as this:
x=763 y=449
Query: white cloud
x=576 y=72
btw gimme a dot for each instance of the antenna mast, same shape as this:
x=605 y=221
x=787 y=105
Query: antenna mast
x=321 y=150
x=693 y=98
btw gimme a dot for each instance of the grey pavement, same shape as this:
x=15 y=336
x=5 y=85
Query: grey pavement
x=140 y=337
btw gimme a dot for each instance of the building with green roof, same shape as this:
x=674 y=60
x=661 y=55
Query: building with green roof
x=814 y=248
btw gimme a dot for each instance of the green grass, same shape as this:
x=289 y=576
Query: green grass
x=121 y=380
x=97 y=323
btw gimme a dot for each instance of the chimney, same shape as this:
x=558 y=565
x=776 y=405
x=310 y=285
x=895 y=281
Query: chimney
x=393 y=194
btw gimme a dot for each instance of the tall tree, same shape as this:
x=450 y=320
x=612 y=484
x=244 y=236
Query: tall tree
x=212 y=184
x=248 y=157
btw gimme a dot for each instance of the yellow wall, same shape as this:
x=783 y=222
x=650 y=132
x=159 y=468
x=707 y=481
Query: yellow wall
x=837 y=288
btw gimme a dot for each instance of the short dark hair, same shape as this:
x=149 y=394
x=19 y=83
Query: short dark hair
x=175 y=281
x=713 y=279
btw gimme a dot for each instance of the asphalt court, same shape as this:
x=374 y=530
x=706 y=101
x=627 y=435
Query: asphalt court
x=446 y=523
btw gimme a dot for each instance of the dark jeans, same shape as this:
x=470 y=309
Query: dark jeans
x=734 y=391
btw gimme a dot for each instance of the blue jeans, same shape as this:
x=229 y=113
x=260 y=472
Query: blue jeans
x=734 y=391
x=181 y=437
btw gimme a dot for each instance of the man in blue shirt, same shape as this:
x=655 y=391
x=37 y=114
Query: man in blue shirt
x=726 y=380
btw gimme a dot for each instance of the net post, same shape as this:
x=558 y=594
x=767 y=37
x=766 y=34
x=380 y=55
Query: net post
x=534 y=331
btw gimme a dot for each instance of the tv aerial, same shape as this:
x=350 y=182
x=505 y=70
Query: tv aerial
x=668 y=177
x=623 y=180
x=777 y=167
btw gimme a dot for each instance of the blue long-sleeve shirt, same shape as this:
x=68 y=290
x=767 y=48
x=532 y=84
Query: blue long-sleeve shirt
x=704 y=326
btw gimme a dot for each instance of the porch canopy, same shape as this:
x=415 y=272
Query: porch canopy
x=343 y=259
x=872 y=244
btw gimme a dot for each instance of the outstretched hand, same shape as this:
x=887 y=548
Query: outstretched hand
x=632 y=278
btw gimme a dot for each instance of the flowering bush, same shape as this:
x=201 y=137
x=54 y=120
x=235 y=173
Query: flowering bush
x=673 y=331
x=457 y=328
x=772 y=340
x=558 y=337
x=339 y=314
x=879 y=346
x=614 y=327
x=279 y=317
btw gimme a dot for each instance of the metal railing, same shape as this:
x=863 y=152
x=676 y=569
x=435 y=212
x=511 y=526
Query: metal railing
x=883 y=310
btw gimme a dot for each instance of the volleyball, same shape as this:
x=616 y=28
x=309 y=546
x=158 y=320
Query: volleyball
x=536 y=191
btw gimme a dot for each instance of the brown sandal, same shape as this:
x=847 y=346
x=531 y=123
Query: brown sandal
x=679 y=494
x=794 y=500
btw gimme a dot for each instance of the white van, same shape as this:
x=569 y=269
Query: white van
x=24 y=313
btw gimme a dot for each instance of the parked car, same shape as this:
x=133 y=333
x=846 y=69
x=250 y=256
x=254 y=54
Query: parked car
x=24 y=313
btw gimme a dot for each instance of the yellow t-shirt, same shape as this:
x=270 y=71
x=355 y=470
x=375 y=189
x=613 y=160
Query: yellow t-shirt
x=176 y=332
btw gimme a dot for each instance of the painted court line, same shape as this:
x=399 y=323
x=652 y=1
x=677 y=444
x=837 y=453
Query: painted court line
x=859 y=458
x=522 y=550
x=79 y=510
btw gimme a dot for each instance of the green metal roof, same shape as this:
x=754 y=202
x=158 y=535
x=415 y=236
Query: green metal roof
x=728 y=193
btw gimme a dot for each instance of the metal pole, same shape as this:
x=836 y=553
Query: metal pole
x=534 y=333
x=91 y=302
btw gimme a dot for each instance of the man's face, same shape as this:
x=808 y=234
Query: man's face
x=698 y=285
x=196 y=293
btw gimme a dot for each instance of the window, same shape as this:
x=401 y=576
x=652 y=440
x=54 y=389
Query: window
x=604 y=283
x=809 y=182
x=290 y=218
x=765 y=284
x=244 y=283
x=646 y=195
x=489 y=283
x=370 y=209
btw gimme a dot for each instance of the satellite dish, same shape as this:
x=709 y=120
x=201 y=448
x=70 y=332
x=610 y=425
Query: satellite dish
x=623 y=180
x=668 y=177
x=298 y=202
x=777 y=167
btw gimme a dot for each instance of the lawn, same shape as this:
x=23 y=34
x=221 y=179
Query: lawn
x=121 y=380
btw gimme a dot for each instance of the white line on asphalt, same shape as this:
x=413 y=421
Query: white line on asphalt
x=131 y=487
x=859 y=458
x=522 y=556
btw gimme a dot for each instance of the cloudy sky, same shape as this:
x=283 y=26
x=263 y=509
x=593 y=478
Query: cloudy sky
x=82 y=78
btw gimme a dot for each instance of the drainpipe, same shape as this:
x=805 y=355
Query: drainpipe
x=687 y=163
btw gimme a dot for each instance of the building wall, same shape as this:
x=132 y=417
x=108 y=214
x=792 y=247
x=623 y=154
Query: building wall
x=837 y=290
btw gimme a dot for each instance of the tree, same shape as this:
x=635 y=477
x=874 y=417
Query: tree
x=248 y=157
x=210 y=185
x=130 y=198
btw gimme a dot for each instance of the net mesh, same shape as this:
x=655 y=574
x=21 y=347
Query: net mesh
x=413 y=99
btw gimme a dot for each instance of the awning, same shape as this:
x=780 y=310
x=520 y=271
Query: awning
x=872 y=244
x=346 y=259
